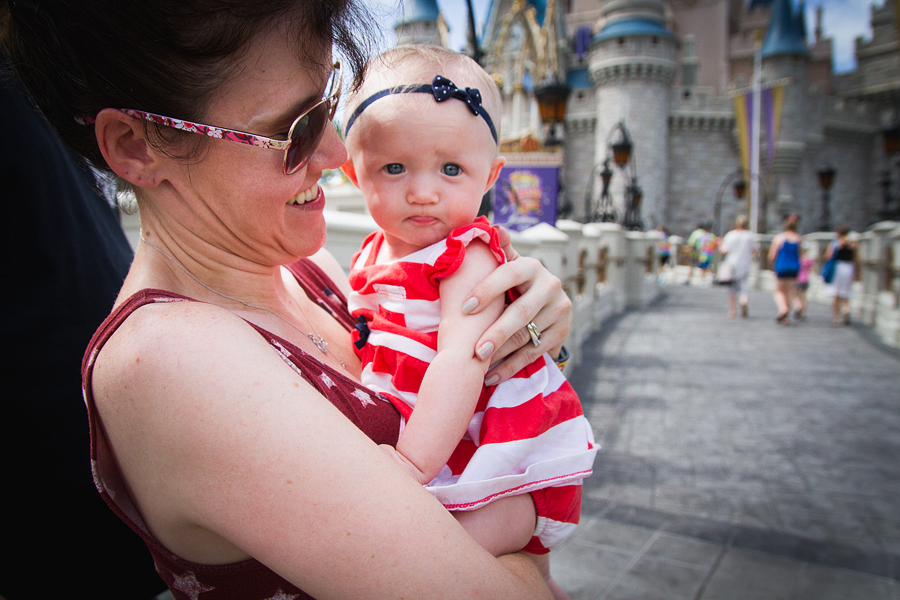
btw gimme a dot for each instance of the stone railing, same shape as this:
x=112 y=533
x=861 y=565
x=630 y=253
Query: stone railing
x=604 y=269
x=878 y=303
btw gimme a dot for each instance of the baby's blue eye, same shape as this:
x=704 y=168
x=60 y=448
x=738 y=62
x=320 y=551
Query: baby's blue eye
x=451 y=170
x=394 y=168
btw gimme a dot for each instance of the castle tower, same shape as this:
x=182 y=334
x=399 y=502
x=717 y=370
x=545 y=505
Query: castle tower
x=421 y=23
x=632 y=65
x=785 y=55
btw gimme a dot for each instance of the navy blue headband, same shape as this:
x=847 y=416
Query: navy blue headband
x=442 y=89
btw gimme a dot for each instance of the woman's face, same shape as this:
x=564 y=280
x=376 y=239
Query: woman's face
x=237 y=197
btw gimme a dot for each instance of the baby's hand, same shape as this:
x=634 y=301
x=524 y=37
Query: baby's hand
x=404 y=463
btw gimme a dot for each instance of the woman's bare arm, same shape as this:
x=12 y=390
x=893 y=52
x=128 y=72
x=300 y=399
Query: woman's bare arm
x=231 y=454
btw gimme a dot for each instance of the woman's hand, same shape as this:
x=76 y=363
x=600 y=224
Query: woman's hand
x=542 y=301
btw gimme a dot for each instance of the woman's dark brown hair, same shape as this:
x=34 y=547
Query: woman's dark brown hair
x=77 y=57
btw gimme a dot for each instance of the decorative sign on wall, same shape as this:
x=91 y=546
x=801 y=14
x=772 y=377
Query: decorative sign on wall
x=525 y=196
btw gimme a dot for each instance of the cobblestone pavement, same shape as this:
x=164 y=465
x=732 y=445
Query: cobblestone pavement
x=740 y=459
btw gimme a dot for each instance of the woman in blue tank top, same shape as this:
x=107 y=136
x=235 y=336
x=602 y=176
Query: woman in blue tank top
x=784 y=256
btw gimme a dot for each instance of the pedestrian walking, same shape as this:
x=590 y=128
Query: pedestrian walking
x=806 y=265
x=739 y=247
x=846 y=253
x=784 y=256
x=664 y=250
x=703 y=248
x=692 y=245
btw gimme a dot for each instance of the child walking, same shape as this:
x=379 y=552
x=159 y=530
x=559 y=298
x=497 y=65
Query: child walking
x=422 y=141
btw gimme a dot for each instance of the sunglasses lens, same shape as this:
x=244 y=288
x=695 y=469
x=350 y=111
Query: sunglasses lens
x=305 y=136
x=307 y=131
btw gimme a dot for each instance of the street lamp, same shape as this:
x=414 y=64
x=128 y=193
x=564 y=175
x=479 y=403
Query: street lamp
x=619 y=150
x=605 y=210
x=633 y=197
x=552 y=99
x=826 y=179
x=740 y=186
x=622 y=150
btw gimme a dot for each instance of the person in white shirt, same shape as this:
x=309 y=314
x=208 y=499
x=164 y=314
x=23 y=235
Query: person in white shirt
x=739 y=247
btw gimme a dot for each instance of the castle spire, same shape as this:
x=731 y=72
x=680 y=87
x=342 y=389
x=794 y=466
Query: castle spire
x=787 y=31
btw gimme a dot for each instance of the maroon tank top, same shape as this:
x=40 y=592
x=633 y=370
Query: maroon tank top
x=248 y=579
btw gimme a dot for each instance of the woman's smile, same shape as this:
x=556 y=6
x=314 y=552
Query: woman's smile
x=310 y=197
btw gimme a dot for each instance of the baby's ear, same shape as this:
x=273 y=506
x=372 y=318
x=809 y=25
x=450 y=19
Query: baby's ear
x=350 y=172
x=495 y=171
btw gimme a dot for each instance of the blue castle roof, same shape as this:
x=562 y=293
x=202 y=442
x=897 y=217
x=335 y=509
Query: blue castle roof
x=787 y=31
x=631 y=27
x=579 y=79
x=418 y=10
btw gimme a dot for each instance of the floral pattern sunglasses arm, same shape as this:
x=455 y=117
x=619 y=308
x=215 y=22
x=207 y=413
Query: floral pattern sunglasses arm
x=303 y=137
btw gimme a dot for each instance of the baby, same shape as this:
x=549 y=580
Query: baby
x=422 y=141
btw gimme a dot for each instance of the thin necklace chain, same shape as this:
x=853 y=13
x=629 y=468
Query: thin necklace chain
x=316 y=339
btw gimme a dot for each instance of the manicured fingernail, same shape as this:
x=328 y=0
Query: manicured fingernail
x=469 y=305
x=492 y=380
x=485 y=350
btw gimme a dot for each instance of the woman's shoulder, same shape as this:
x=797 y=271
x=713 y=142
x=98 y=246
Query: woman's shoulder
x=165 y=333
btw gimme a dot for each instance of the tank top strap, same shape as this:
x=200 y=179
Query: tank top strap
x=321 y=289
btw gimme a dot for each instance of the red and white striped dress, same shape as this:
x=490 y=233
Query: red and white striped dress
x=528 y=434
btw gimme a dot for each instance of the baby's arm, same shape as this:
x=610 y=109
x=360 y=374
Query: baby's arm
x=453 y=381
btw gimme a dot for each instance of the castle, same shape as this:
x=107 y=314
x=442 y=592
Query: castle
x=668 y=70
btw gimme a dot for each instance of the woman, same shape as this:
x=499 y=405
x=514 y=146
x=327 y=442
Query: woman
x=784 y=256
x=739 y=247
x=844 y=251
x=227 y=425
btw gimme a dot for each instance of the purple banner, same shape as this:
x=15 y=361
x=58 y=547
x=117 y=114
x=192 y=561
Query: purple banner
x=525 y=196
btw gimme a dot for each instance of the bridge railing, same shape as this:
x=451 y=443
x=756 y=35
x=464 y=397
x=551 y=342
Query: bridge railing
x=606 y=269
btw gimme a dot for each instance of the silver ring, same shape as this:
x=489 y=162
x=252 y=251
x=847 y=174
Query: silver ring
x=534 y=333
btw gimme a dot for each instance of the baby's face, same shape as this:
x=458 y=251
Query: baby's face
x=422 y=166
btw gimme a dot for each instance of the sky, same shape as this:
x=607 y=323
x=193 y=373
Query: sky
x=842 y=20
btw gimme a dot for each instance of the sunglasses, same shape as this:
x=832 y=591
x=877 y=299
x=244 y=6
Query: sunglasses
x=303 y=137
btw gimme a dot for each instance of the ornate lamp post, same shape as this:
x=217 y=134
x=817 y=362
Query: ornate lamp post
x=552 y=99
x=633 y=197
x=622 y=150
x=604 y=211
x=826 y=179
x=740 y=186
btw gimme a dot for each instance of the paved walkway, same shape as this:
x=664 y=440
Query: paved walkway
x=740 y=459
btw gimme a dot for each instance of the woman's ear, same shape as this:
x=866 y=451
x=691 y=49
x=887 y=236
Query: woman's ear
x=495 y=171
x=124 y=145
